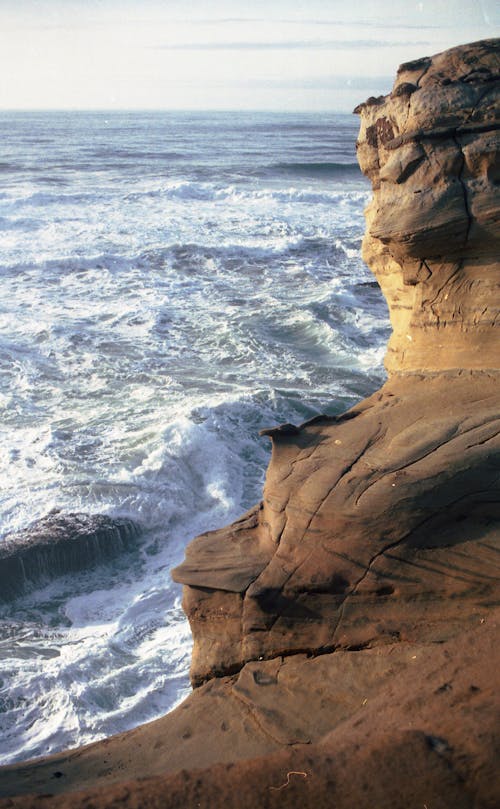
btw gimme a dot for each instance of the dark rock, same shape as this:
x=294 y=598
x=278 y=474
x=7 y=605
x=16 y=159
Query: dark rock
x=405 y=89
x=61 y=543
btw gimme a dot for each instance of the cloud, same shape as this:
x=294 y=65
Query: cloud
x=299 y=44
x=367 y=83
x=355 y=22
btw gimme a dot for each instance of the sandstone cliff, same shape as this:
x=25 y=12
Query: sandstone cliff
x=345 y=629
x=370 y=522
x=430 y=149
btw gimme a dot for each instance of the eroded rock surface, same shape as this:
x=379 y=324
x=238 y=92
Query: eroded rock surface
x=378 y=526
x=402 y=725
x=430 y=149
x=346 y=628
x=383 y=523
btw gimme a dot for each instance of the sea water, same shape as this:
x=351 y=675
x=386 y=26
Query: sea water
x=171 y=283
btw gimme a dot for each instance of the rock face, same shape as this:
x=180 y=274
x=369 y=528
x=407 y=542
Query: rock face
x=383 y=523
x=430 y=149
x=378 y=526
x=399 y=726
x=346 y=628
x=60 y=543
x=395 y=726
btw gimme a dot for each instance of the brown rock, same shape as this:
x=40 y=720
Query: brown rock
x=382 y=525
x=402 y=725
x=433 y=236
x=365 y=518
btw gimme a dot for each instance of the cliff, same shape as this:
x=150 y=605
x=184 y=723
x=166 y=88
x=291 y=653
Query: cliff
x=365 y=517
x=430 y=149
x=345 y=629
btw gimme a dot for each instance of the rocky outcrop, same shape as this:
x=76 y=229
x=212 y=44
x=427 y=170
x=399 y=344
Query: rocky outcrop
x=60 y=543
x=400 y=726
x=379 y=525
x=383 y=523
x=430 y=149
x=346 y=628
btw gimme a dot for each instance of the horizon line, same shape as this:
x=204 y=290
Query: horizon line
x=249 y=110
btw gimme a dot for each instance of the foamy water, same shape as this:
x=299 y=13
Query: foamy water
x=171 y=284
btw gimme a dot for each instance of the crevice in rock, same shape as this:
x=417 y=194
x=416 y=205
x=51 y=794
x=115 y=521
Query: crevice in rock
x=280 y=535
x=383 y=551
x=424 y=72
x=485 y=440
x=370 y=564
x=482 y=95
x=464 y=189
x=441 y=133
x=304 y=455
x=218 y=674
x=370 y=442
x=254 y=718
x=379 y=434
x=443 y=570
x=430 y=303
x=232 y=672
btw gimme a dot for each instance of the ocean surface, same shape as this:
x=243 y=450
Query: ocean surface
x=171 y=283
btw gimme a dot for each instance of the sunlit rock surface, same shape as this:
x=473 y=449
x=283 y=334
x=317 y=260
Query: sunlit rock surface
x=432 y=239
x=375 y=523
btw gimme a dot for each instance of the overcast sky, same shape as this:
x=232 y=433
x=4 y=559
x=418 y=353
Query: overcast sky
x=242 y=54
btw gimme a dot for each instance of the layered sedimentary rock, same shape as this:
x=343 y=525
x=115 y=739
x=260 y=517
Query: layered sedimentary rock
x=378 y=525
x=346 y=628
x=430 y=149
x=383 y=523
x=60 y=543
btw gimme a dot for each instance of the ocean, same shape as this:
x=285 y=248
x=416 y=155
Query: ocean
x=171 y=283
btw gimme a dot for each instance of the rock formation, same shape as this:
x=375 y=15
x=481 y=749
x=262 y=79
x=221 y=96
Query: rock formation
x=60 y=543
x=345 y=629
x=430 y=149
x=370 y=522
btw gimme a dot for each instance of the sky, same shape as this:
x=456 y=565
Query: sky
x=200 y=54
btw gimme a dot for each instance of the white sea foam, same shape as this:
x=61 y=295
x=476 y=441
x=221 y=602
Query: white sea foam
x=203 y=191
x=164 y=297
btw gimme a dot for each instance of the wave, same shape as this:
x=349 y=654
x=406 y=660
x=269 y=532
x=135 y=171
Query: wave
x=179 y=255
x=189 y=191
x=24 y=223
x=318 y=168
x=6 y=167
x=134 y=154
x=40 y=198
x=188 y=287
x=210 y=192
